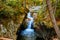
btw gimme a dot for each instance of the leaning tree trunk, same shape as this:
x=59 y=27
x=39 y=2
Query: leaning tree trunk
x=53 y=18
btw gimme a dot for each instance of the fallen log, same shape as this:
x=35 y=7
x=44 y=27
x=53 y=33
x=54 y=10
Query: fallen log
x=1 y=38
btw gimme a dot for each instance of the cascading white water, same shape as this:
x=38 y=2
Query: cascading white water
x=30 y=21
x=29 y=33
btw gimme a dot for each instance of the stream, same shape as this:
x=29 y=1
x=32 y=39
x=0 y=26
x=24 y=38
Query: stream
x=29 y=33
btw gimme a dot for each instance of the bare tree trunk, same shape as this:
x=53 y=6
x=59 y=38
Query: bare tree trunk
x=53 y=18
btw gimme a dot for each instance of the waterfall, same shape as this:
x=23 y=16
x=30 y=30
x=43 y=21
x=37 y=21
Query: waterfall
x=30 y=22
x=29 y=33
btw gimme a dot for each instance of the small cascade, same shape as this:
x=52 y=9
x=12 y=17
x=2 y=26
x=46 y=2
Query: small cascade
x=30 y=22
x=29 y=33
